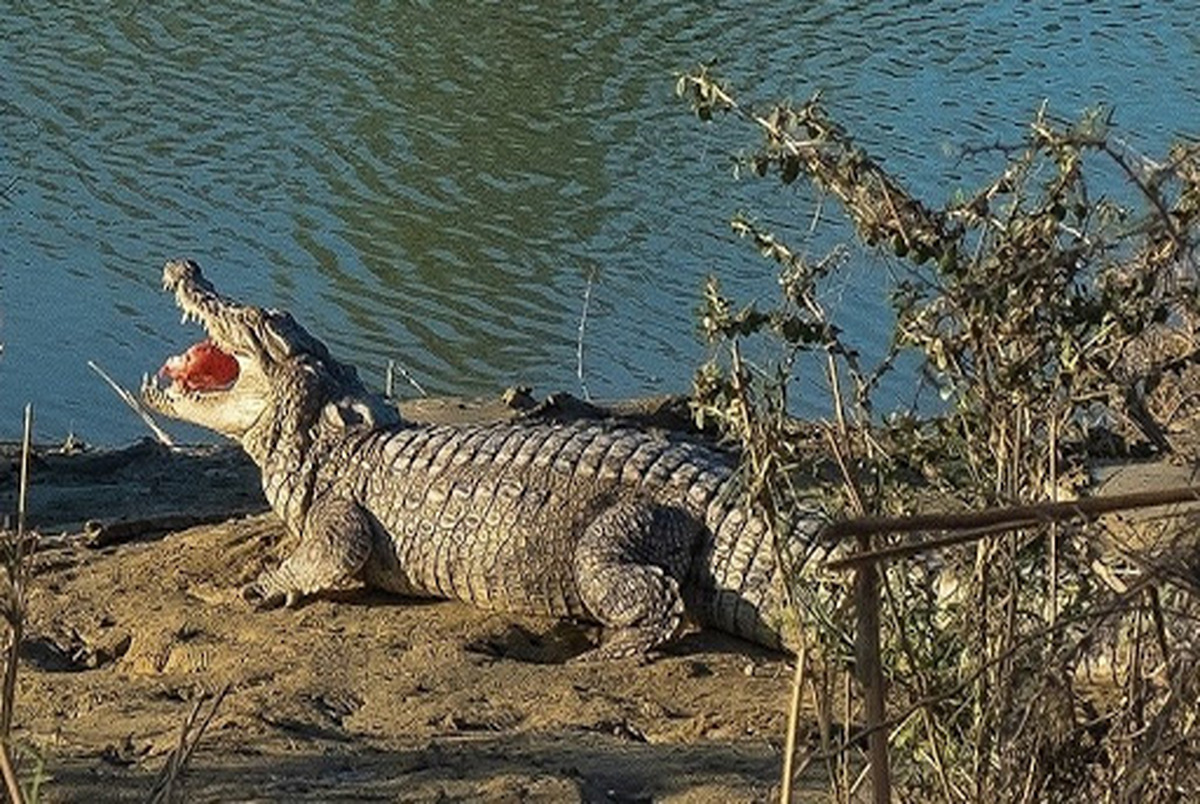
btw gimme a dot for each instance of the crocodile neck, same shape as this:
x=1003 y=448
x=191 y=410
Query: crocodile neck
x=314 y=406
x=287 y=446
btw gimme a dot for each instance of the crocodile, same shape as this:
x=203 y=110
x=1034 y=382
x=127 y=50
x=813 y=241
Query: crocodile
x=635 y=530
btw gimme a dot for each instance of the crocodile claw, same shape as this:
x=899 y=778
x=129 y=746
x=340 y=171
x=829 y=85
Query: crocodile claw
x=264 y=595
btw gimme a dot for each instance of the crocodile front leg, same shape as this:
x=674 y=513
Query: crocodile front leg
x=334 y=546
x=629 y=564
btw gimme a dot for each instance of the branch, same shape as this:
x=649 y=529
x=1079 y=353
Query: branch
x=974 y=525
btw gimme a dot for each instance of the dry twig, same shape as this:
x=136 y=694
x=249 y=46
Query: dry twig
x=132 y=401
x=166 y=788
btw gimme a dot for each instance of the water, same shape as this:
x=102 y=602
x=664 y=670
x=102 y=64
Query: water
x=440 y=182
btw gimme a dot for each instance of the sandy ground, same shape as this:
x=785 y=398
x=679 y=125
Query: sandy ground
x=136 y=615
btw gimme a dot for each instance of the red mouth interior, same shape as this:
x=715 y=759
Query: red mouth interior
x=203 y=367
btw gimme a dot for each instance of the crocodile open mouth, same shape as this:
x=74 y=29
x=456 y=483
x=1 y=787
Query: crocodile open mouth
x=220 y=382
x=208 y=366
x=204 y=367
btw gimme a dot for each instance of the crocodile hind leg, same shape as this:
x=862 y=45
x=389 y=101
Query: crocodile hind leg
x=628 y=567
x=334 y=545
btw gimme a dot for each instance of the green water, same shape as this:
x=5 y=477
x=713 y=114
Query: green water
x=439 y=183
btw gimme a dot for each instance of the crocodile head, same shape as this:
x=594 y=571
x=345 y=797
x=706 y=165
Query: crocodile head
x=257 y=372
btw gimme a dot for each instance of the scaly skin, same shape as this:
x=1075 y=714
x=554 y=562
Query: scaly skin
x=616 y=526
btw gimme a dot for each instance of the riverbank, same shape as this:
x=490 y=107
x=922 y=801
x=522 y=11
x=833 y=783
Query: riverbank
x=135 y=615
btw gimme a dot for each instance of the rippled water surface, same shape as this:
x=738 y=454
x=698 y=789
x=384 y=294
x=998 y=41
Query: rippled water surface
x=439 y=182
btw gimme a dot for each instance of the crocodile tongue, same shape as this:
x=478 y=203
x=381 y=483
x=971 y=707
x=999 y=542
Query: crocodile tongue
x=203 y=367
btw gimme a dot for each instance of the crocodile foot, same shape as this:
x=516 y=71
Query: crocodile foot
x=266 y=592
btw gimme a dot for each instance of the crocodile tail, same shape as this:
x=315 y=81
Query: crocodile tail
x=739 y=582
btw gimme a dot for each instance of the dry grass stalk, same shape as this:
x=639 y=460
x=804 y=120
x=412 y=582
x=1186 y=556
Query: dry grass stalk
x=389 y=385
x=18 y=552
x=579 y=340
x=168 y=786
x=788 y=776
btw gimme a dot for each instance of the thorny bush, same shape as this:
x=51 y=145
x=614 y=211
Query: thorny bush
x=1058 y=325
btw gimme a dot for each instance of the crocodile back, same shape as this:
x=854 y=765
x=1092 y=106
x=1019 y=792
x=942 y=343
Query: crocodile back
x=492 y=514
